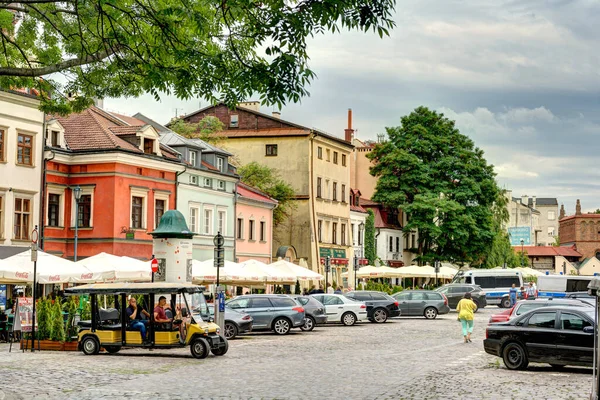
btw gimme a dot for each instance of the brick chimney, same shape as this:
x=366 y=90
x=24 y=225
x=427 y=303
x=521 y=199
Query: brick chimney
x=250 y=105
x=561 y=215
x=578 y=207
x=349 y=132
x=276 y=114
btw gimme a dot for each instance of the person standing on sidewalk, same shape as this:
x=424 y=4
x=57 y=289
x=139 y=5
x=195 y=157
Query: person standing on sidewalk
x=530 y=292
x=466 y=308
x=512 y=293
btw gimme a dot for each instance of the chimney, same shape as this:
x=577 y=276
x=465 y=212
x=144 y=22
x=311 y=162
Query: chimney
x=561 y=215
x=349 y=132
x=250 y=105
x=524 y=199
x=99 y=102
x=533 y=201
x=578 y=208
x=276 y=114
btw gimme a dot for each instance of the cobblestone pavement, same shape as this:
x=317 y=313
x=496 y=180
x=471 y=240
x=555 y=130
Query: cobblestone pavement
x=407 y=358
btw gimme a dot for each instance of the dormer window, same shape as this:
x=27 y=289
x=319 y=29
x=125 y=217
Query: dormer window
x=148 y=146
x=55 y=135
x=233 y=121
x=357 y=201
x=55 y=139
x=193 y=156
x=220 y=163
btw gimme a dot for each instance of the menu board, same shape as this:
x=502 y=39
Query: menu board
x=25 y=314
x=2 y=297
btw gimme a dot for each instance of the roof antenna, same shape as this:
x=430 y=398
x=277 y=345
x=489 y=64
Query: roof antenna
x=176 y=110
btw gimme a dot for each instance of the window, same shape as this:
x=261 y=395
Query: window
x=320 y=153
x=208 y=182
x=334 y=191
x=380 y=296
x=391 y=246
x=542 y=320
x=2 y=143
x=397 y=244
x=551 y=215
x=24 y=149
x=263 y=231
x=360 y=236
x=239 y=303
x=283 y=302
x=343 y=234
x=343 y=193
x=140 y=171
x=22 y=214
x=85 y=211
x=222 y=222
x=251 y=235
x=320 y=231
x=335 y=157
x=148 y=146
x=319 y=188
x=54 y=139
x=240 y=228
x=221 y=185
x=53 y=209
x=159 y=210
x=220 y=163
x=328 y=154
x=194 y=179
x=260 y=302
x=343 y=160
x=573 y=322
x=193 y=155
x=137 y=204
x=271 y=150
x=194 y=219
x=353 y=230
x=551 y=231
x=208 y=222
x=334 y=233
x=233 y=121
x=331 y=300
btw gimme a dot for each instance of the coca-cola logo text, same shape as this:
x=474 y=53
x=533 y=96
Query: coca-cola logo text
x=87 y=276
x=23 y=275
x=54 y=278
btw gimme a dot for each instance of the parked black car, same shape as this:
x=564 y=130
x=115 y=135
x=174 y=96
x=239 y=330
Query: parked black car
x=380 y=306
x=555 y=335
x=314 y=312
x=454 y=292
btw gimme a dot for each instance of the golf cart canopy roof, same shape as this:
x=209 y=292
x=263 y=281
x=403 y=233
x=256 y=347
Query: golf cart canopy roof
x=137 y=288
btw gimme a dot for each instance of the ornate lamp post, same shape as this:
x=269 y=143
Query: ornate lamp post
x=522 y=252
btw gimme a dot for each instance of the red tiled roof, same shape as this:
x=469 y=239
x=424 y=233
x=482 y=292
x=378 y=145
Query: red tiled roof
x=250 y=192
x=548 y=251
x=367 y=202
x=130 y=120
x=124 y=130
x=357 y=209
x=209 y=166
x=264 y=132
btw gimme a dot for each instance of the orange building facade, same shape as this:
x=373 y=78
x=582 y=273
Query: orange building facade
x=127 y=181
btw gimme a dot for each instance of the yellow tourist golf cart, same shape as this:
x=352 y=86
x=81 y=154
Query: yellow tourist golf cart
x=111 y=328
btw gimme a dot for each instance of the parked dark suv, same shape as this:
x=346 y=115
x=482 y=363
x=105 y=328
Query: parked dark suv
x=380 y=306
x=456 y=291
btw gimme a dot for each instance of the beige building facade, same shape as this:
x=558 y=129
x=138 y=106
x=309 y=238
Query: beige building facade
x=315 y=164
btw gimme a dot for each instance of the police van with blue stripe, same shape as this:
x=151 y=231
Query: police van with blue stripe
x=561 y=285
x=495 y=282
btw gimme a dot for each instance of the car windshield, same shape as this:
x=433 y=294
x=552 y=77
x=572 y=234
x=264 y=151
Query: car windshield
x=525 y=307
x=198 y=305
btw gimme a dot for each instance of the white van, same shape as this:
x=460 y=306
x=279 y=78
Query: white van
x=495 y=282
x=561 y=285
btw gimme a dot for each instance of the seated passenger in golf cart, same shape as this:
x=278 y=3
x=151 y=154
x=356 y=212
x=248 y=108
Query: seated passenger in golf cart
x=111 y=328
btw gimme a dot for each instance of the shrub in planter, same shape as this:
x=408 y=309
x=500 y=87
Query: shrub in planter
x=70 y=307
x=57 y=332
x=43 y=309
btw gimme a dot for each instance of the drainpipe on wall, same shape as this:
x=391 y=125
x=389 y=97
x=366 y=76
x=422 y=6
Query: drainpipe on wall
x=312 y=197
x=376 y=242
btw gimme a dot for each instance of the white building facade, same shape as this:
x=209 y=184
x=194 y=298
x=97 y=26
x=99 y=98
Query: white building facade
x=21 y=165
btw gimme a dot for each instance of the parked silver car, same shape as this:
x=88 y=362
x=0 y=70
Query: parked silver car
x=427 y=303
x=314 y=312
x=277 y=312
x=236 y=322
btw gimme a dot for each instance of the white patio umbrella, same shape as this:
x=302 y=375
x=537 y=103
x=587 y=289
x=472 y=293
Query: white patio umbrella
x=205 y=272
x=117 y=268
x=51 y=269
x=10 y=274
x=526 y=271
x=370 y=271
x=291 y=269
x=414 y=271
x=447 y=272
x=266 y=274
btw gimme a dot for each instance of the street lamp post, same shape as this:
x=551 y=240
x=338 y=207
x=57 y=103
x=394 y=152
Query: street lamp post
x=356 y=267
x=77 y=194
x=522 y=253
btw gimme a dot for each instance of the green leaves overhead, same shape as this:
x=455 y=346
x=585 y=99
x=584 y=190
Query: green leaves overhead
x=441 y=180
x=219 y=50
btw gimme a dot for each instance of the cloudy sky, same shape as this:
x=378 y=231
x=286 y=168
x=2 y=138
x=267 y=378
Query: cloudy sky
x=521 y=78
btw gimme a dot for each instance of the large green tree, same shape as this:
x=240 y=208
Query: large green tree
x=218 y=50
x=268 y=180
x=370 y=249
x=435 y=174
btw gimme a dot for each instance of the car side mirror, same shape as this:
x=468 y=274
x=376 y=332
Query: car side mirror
x=588 y=329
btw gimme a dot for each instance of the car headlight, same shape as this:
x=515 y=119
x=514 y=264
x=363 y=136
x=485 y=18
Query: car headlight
x=206 y=330
x=218 y=331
